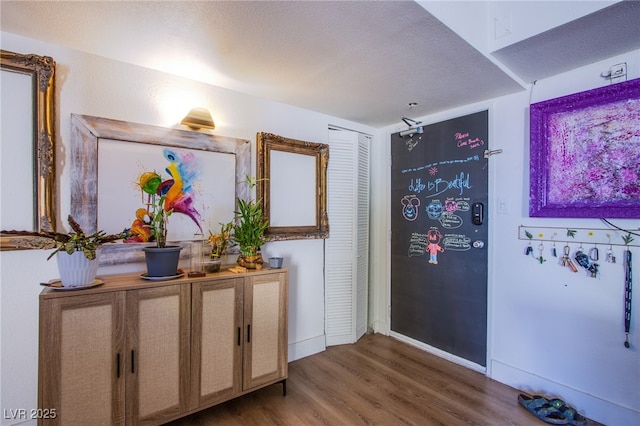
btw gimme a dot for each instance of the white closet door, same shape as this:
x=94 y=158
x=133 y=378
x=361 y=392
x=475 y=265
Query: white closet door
x=362 y=237
x=347 y=248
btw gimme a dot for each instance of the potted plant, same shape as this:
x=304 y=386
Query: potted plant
x=78 y=253
x=249 y=229
x=219 y=243
x=164 y=198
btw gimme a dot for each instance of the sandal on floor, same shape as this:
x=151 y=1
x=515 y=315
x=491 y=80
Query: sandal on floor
x=539 y=406
x=572 y=415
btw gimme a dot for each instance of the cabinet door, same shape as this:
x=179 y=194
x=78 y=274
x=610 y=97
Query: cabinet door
x=216 y=348
x=265 y=318
x=157 y=358
x=81 y=381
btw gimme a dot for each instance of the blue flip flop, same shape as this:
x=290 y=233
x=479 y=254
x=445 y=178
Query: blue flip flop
x=571 y=413
x=540 y=407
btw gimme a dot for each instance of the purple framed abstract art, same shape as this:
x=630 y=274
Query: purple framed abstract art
x=585 y=154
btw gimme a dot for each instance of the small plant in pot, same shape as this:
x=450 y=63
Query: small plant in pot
x=78 y=254
x=221 y=241
x=219 y=244
x=249 y=229
x=164 y=198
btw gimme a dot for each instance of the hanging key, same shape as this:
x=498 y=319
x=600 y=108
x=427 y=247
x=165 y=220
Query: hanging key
x=565 y=257
x=566 y=260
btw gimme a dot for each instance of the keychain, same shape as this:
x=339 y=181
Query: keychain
x=566 y=260
x=529 y=250
x=610 y=256
x=585 y=261
x=540 y=250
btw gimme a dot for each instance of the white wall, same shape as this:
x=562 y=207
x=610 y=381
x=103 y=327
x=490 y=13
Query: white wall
x=550 y=331
x=93 y=85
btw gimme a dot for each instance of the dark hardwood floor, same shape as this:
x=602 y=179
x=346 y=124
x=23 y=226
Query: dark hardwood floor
x=377 y=381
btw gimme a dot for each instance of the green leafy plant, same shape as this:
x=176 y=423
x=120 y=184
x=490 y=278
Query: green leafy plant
x=627 y=239
x=158 y=225
x=221 y=241
x=250 y=223
x=76 y=240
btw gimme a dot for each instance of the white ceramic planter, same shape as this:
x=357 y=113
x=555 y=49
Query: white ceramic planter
x=76 y=270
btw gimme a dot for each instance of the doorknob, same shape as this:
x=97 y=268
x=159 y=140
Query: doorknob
x=477 y=213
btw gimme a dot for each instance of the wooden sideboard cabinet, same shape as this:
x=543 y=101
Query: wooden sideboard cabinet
x=141 y=353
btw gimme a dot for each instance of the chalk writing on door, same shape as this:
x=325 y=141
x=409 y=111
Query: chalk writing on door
x=464 y=140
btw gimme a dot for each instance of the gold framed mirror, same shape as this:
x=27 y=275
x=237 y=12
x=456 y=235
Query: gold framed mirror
x=292 y=186
x=28 y=195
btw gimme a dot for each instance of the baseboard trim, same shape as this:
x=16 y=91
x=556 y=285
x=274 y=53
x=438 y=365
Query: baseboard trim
x=438 y=352
x=307 y=347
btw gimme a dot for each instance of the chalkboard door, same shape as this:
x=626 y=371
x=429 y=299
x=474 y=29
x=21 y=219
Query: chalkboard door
x=439 y=236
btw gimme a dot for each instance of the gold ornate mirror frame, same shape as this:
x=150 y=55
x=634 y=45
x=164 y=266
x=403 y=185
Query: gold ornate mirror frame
x=283 y=186
x=41 y=70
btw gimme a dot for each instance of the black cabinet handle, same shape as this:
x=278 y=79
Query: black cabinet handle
x=118 y=365
x=239 y=337
x=133 y=361
x=249 y=333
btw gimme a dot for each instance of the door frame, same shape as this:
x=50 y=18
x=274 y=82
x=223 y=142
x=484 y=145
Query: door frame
x=386 y=329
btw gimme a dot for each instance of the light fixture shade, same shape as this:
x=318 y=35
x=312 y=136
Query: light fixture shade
x=199 y=118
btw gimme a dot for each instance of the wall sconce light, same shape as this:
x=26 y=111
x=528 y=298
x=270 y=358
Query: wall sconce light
x=198 y=118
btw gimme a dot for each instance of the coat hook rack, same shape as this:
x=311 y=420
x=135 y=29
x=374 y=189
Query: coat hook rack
x=605 y=237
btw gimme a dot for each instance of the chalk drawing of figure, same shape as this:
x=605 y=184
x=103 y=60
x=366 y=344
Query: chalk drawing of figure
x=434 y=237
x=410 y=207
x=434 y=209
x=450 y=206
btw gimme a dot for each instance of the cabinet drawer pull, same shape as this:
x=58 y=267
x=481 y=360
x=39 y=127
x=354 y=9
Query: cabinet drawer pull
x=133 y=361
x=249 y=333
x=118 y=365
x=239 y=336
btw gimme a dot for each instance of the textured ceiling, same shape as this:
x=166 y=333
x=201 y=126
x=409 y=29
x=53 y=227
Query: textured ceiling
x=358 y=60
x=608 y=32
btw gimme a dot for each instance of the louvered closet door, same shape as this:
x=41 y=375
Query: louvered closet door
x=347 y=248
x=362 y=237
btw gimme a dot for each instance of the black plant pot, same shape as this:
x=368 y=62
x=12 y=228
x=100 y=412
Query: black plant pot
x=162 y=262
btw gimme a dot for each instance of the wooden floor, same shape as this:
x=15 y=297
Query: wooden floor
x=377 y=381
